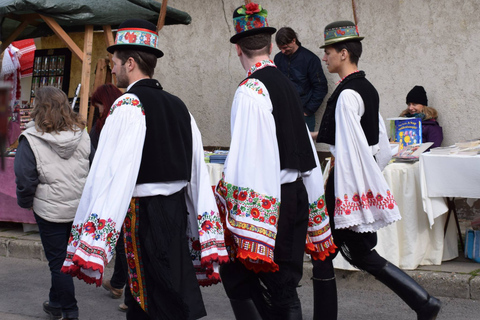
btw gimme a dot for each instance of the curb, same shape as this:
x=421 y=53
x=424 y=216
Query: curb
x=22 y=249
x=436 y=283
x=463 y=285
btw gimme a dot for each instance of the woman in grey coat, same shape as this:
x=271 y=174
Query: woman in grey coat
x=51 y=167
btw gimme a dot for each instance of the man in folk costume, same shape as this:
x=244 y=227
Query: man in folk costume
x=150 y=148
x=272 y=187
x=356 y=191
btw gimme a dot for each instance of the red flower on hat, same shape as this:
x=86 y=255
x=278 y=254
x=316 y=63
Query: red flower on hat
x=133 y=38
x=238 y=27
x=147 y=40
x=341 y=32
x=257 y=23
x=252 y=8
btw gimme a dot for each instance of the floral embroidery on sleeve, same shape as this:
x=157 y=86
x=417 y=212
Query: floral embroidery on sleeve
x=348 y=206
x=253 y=84
x=126 y=100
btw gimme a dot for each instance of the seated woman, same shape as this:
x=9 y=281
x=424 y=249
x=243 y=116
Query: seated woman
x=417 y=107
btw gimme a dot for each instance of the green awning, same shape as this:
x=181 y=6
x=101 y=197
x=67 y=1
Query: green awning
x=73 y=15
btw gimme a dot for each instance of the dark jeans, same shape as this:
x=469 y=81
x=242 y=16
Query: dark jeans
x=120 y=271
x=54 y=238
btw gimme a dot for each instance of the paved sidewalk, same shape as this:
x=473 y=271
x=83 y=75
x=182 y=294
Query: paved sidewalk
x=459 y=278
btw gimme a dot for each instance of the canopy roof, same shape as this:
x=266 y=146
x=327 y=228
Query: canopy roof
x=73 y=15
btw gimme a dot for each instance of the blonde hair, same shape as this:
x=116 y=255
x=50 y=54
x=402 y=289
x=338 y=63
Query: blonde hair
x=429 y=112
x=52 y=112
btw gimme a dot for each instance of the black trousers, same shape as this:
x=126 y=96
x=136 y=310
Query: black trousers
x=120 y=272
x=356 y=248
x=171 y=285
x=279 y=287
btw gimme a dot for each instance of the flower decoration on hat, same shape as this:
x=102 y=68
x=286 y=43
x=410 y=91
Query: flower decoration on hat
x=250 y=19
x=252 y=8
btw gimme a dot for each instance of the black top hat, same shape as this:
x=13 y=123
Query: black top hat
x=137 y=34
x=248 y=20
x=340 y=31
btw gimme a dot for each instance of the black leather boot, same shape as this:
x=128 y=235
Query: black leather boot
x=325 y=305
x=426 y=307
x=245 y=310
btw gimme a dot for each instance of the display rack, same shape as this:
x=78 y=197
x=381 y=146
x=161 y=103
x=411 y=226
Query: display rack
x=51 y=68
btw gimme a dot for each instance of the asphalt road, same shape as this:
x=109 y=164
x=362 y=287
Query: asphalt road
x=24 y=287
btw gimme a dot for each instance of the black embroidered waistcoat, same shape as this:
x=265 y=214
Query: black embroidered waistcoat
x=167 y=151
x=369 y=121
x=292 y=136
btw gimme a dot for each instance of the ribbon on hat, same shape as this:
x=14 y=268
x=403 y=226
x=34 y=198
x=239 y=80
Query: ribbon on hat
x=137 y=36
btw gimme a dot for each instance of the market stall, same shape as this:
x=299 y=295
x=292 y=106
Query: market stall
x=36 y=19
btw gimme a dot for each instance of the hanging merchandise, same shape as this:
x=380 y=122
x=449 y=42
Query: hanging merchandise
x=26 y=53
x=11 y=72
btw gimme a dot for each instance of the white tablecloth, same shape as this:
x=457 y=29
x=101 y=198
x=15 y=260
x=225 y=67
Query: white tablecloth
x=215 y=171
x=413 y=241
x=448 y=176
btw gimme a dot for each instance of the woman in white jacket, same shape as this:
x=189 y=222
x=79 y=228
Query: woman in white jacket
x=51 y=167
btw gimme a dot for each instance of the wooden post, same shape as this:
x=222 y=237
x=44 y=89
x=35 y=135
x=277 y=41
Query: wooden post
x=86 y=70
x=100 y=78
x=163 y=14
x=109 y=41
x=64 y=36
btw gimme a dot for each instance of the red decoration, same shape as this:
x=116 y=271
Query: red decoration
x=252 y=8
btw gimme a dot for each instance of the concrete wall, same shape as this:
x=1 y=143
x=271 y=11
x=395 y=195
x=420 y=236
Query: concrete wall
x=407 y=42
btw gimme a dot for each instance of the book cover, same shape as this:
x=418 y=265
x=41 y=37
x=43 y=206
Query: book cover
x=406 y=131
x=412 y=152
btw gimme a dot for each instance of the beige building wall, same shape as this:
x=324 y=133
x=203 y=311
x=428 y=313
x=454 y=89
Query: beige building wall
x=407 y=42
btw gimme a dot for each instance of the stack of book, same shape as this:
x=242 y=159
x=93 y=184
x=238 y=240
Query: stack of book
x=217 y=156
x=467 y=148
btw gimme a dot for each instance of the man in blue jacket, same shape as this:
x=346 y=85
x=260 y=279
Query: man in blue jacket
x=304 y=69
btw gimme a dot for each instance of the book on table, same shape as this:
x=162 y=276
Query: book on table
x=411 y=153
x=406 y=131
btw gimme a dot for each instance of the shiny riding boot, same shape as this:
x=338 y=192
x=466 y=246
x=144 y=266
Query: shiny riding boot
x=426 y=306
x=245 y=310
x=325 y=305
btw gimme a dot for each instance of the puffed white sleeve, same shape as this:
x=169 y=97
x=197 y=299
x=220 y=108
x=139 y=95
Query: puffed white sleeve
x=107 y=192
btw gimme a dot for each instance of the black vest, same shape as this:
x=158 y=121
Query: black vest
x=369 y=121
x=292 y=135
x=167 y=151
